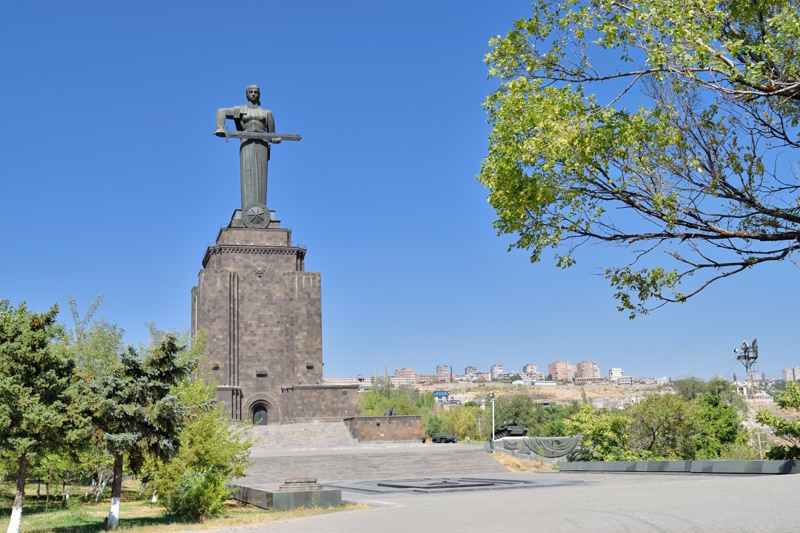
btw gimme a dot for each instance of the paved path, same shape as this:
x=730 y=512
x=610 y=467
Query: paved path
x=604 y=502
x=601 y=502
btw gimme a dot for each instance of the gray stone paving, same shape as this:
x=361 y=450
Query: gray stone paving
x=601 y=502
x=606 y=502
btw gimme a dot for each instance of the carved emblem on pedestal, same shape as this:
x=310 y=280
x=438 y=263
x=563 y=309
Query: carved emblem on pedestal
x=255 y=215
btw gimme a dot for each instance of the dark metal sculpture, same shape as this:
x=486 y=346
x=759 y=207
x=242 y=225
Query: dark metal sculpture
x=255 y=128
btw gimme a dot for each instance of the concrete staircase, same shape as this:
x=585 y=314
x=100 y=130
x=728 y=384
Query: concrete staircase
x=301 y=435
x=371 y=461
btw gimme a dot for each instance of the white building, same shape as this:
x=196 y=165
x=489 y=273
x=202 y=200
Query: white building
x=615 y=373
x=496 y=371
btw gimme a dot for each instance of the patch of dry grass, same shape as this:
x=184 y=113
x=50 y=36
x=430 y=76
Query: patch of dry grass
x=514 y=464
x=136 y=514
x=236 y=515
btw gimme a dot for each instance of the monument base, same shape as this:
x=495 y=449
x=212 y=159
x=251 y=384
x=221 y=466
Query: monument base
x=290 y=496
x=262 y=313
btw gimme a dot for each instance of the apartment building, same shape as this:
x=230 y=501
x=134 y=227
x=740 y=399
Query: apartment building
x=496 y=371
x=405 y=376
x=790 y=374
x=561 y=370
x=587 y=369
x=443 y=373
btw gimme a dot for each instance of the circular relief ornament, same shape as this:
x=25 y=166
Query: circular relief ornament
x=255 y=215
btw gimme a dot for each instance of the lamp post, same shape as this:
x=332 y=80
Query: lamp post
x=491 y=397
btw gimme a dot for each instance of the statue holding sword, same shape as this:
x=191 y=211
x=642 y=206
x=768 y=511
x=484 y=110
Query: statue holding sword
x=255 y=127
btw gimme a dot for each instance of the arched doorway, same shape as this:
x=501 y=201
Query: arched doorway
x=260 y=415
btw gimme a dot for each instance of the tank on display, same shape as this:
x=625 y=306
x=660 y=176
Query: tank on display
x=509 y=428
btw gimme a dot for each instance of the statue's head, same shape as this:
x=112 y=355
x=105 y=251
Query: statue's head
x=253 y=94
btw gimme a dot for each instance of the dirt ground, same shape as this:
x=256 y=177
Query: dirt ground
x=599 y=395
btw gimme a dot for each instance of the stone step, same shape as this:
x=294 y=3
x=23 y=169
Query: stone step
x=372 y=462
x=301 y=434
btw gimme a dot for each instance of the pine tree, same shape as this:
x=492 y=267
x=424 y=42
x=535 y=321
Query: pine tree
x=35 y=391
x=132 y=406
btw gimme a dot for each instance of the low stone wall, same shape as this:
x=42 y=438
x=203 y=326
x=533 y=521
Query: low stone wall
x=684 y=467
x=318 y=402
x=406 y=428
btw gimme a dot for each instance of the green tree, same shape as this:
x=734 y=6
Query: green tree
x=661 y=428
x=657 y=125
x=95 y=345
x=718 y=426
x=404 y=400
x=605 y=434
x=689 y=388
x=211 y=453
x=789 y=430
x=692 y=388
x=434 y=424
x=36 y=392
x=132 y=407
x=519 y=407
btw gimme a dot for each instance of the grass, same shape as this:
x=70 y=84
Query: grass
x=514 y=464
x=79 y=516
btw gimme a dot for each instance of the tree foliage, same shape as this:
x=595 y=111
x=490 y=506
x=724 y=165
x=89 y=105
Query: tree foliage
x=211 y=453
x=789 y=430
x=657 y=125
x=718 y=427
x=35 y=381
x=605 y=434
x=133 y=409
x=692 y=388
x=36 y=391
x=661 y=427
x=541 y=420
x=404 y=400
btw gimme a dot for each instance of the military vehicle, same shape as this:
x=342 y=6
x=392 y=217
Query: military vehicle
x=443 y=437
x=509 y=428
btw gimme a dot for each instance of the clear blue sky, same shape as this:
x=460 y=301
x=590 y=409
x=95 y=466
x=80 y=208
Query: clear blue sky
x=113 y=184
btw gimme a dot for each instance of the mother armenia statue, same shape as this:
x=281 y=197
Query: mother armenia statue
x=255 y=127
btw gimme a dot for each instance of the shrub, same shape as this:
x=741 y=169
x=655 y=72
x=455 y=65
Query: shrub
x=198 y=495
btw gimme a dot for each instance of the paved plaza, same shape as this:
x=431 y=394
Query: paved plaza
x=598 y=502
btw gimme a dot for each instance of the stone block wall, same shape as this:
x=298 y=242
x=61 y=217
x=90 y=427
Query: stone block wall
x=263 y=315
x=307 y=402
x=386 y=428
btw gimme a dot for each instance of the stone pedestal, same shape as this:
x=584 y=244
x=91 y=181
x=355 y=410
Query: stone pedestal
x=263 y=316
x=291 y=495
